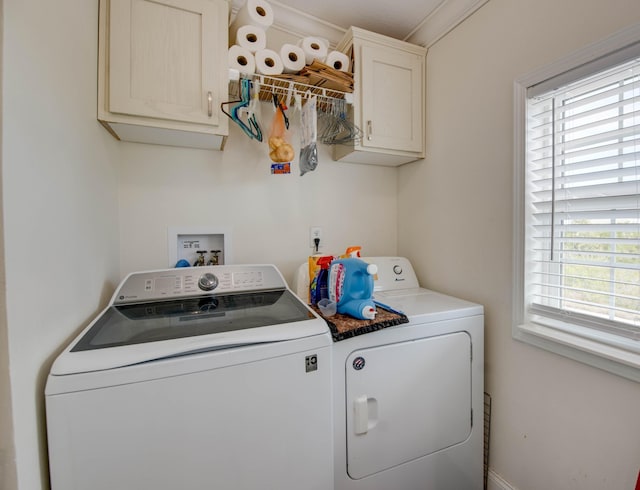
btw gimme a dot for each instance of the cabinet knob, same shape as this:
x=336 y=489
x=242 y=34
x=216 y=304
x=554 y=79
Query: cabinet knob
x=210 y=101
x=369 y=130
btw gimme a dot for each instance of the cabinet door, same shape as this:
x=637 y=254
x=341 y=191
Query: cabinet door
x=392 y=99
x=163 y=59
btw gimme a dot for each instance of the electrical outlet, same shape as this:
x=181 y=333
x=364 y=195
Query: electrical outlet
x=315 y=232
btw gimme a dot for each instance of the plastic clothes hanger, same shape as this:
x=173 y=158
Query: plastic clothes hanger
x=251 y=127
x=253 y=108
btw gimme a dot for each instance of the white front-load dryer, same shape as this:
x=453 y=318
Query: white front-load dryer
x=408 y=400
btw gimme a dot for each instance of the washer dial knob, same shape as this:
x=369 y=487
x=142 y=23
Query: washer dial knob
x=208 y=281
x=397 y=269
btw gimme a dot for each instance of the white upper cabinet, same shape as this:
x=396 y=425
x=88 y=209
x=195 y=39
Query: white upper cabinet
x=389 y=86
x=163 y=71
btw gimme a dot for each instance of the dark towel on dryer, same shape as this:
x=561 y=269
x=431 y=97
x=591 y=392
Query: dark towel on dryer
x=345 y=326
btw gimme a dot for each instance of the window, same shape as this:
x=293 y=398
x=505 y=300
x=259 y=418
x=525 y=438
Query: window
x=578 y=206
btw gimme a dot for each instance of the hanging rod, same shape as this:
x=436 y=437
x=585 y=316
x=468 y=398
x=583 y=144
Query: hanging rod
x=285 y=88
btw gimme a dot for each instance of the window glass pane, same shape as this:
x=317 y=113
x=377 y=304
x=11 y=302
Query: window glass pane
x=583 y=202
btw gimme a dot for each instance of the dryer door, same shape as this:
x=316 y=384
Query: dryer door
x=406 y=400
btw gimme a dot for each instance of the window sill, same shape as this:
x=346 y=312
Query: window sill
x=620 y=361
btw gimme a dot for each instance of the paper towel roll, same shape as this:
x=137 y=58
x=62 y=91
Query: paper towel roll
x=242 y=59
x=293 y=58
x=253 y=12
x=268 y=62
x=338 y=60
x=314 y=48
x=251 y=37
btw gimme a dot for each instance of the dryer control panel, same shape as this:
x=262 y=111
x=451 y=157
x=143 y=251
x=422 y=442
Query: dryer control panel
x=393 y=273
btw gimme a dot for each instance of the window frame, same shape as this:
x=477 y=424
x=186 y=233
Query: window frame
x=592 y=347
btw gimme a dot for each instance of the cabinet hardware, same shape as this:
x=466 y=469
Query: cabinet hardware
x=369 y=130
x=210 y=101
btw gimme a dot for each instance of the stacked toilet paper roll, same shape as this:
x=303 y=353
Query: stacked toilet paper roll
x=293 y=58
x=249 y=54
x=257 y=13
x=314 y=48
x=242 y=59
x=268 y=62
x=248 y=36
x=338 y=61
x=253 y=38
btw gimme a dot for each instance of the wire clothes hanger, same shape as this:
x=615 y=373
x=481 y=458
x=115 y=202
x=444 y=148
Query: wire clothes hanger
x=336 y=129
x=239 y=107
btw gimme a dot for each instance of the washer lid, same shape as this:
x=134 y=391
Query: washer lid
x=130 y=334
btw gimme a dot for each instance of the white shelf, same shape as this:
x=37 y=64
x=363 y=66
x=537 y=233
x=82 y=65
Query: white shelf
x=287 y=88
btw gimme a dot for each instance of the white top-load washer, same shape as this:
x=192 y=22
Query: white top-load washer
x=409 y=399
x=207 y=377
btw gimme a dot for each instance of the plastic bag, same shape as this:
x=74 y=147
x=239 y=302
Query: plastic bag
x=309 y=137
x=280 y=150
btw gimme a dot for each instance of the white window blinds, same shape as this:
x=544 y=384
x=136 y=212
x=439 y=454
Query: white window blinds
x=582 y=239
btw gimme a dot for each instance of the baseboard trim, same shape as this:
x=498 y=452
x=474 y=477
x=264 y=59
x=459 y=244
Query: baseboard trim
x=496 y=482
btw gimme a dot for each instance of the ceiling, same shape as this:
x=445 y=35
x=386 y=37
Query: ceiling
x=396 y=19
x=418 y=21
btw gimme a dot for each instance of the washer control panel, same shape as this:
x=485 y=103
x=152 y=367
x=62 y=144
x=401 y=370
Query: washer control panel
x=194 y=281
x=208 y=281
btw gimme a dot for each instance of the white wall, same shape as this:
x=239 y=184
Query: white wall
x=557 y=424
x=7 y=450
x=268 y=215
x=59 y=202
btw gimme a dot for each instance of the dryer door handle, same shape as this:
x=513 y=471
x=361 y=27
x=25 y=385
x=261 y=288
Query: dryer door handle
x=365 y=414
